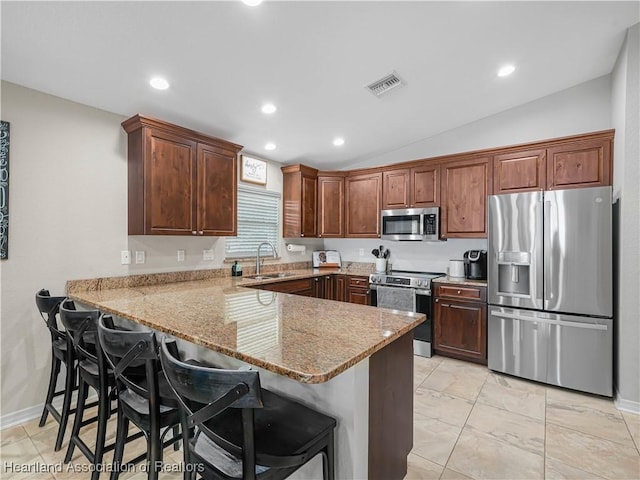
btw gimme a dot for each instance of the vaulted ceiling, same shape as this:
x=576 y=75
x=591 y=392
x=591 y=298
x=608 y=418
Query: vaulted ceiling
x=224 y=60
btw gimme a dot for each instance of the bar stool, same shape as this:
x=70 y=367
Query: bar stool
x=48 y=307
x=146 y=401
x=82 y=329
x=242 y=430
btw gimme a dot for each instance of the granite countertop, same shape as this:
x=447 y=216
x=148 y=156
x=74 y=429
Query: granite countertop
x=460 y=281
x=308 y=339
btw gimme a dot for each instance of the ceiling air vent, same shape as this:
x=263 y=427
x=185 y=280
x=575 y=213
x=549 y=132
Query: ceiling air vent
x=382 y=86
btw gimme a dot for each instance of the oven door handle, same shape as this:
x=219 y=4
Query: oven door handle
x=425 y=293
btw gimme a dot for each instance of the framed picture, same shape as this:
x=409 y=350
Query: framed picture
x=253 y=170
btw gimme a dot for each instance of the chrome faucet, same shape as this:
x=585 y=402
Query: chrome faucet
x=275 y=254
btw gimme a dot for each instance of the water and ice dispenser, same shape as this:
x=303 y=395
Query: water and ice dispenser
x=514 y=273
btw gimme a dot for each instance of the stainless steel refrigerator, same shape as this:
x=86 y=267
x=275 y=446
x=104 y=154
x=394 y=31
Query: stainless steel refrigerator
x=550 y=287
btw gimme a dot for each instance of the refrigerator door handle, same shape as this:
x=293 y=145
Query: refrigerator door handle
x=562 y=323
x=547 y=262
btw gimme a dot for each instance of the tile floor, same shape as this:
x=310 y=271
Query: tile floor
x=469 y=423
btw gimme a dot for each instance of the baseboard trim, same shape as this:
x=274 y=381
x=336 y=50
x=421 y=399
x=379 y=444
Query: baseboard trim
x=26 y=414
x=626 y=405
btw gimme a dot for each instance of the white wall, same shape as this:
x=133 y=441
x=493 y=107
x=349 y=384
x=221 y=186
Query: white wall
x=626 y=120
x=580 y=109
x=68 y=220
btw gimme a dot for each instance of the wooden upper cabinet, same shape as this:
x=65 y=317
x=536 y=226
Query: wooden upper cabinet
x=465 y=186
x=396 y=188
x=330 y=206
x=425 y=186
x=299 y=201
x=217 y=190
x=579 y=164
x=180 y=182
x=523 y=171
x=363 y=202
x=415 y=187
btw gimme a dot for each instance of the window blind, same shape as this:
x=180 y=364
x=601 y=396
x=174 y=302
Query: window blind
x=258 y=215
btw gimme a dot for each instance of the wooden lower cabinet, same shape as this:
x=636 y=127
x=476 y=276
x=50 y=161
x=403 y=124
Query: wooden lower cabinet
x=460 y=322
x=358 y=290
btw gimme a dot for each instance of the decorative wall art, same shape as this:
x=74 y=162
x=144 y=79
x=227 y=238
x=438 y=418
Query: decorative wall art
x=253 y=170
x=4 y=190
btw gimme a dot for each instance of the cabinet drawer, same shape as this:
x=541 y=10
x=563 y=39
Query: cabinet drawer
x=462 y=292
x=362 y=282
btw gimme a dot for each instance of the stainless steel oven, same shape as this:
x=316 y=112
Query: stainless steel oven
x=411 y=292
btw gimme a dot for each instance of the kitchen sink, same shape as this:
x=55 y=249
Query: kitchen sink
x=267 y=276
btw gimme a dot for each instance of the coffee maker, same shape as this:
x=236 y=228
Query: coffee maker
x=475 y=264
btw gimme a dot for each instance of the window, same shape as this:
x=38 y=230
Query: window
x=258 y=216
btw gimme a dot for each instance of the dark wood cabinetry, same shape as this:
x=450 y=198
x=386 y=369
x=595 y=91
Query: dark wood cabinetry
x=307 y=287
x=465 y=187
x=415 y=187
x=358 y=290
x=521 y=171
x=340 y=287
x=460 y=321
x=180 y=182
x=330 y=206
x=363 y=201
x=299 y=201
x=580 y=164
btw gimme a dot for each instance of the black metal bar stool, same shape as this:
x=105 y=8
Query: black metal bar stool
x=241 y=430
x=146 y=400
x=82 y=336
x=49 y=307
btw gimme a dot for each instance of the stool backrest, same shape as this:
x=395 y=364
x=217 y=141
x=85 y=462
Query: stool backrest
x=82 y=330
x=48 y=307
x=204 y=392
x=127 y=351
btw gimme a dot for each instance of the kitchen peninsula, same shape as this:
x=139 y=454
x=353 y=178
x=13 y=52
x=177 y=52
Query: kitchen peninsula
x=350 y=361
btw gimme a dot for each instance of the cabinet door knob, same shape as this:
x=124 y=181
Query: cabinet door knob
x=458 y=292
x=201 y=232
x=194 y=232
x=302 y=234
x=317 y=279
x=437 y=300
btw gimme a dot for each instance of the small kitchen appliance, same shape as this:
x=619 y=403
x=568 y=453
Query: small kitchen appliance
x=475 y=264
x=326 y=259
x=411 y=224
x=411 y=292
x=456 y=268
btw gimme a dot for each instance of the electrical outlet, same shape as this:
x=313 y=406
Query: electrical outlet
x=140 y=256
x=361 y=252
x=207 y=255
x=125 y=257
x=181 y=255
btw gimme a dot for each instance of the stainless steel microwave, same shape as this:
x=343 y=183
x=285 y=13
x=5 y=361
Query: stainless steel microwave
x=412 y=224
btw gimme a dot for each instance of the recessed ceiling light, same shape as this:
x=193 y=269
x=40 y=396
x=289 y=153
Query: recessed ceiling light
x=269 y=108
x=252 y=3
x=270 y=146
x=506 y=70
x=159 y=83
x=338 y=141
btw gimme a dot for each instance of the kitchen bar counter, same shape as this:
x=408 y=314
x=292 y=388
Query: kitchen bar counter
x=308 y=339
x=350 y=361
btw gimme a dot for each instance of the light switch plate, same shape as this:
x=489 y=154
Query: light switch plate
x=140 y=256
x=207 y=255
x=181 y=255
x=125 y=257
x=361 y=252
